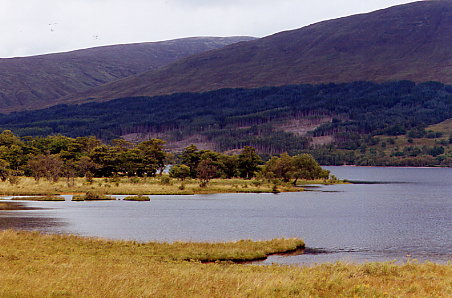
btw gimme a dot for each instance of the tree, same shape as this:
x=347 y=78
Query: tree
x=7 y=138
x=85 y=165
x=180 y=172
x=248 y=162
x=280 y=167
x=46 y=166
x=206 y=171
x=153 y=156
x=108 y=159
x=306 y=167
x=230 y=165
x=4 y=170
x=191 y=158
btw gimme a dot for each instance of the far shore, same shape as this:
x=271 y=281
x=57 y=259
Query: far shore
x=397 y=167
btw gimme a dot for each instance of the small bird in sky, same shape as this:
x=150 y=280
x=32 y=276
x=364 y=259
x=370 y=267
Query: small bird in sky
x=52 y=26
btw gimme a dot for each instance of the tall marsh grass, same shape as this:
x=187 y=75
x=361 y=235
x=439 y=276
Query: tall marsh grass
x=37 y=265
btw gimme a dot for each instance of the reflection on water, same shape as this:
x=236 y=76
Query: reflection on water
x=352 y=222
x=14 y=215
x=24 y=222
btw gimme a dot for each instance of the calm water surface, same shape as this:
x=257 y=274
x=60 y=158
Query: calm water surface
x=404 y=213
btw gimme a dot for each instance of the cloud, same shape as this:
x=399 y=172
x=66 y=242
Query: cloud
x=32 y=27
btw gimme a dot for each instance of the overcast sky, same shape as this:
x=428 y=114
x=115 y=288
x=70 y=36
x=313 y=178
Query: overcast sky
x=30 y=27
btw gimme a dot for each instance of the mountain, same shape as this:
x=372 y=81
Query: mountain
x=405 y=42
x=37 y=81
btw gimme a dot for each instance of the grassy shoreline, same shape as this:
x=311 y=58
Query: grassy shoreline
x=40 y=265
x=145 y=186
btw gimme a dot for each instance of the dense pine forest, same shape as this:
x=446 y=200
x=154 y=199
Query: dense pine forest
x=365 y=121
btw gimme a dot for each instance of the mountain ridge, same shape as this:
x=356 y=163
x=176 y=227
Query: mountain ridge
x=39 y=81
x=404 y=42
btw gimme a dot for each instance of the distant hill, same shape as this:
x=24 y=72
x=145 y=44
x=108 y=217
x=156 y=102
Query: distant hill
x=405 y=42
x=37 y=81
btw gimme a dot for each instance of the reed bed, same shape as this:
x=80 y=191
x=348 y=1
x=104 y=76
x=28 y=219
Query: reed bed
x=38 y=265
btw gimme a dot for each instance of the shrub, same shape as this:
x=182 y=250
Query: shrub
x=134 y=180
x=138 y=198
x=180 y=172
x=14 y=180
x=165 y=180
x=92 y=196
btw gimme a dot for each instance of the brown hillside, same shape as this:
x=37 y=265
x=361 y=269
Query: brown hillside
x=35 y=82
x=405 y=42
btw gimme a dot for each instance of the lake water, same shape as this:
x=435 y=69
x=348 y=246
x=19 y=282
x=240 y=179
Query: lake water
x=404 y=213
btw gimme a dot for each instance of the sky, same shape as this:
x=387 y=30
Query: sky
x=32 y=27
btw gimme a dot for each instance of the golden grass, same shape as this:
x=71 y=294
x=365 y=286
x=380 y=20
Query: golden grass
x=36 y=265
x=39 y=198
x=444 y=127
x=144 y=186
x=138 y=198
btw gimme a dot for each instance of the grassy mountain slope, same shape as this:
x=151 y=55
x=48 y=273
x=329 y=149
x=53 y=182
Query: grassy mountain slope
x=37 y=81
x=406 y=42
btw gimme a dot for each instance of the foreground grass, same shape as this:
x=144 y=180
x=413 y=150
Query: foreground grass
x=144 y=186
x=36 y=265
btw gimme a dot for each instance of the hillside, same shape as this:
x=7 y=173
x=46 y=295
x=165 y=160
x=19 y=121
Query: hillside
x=38 y=81
x=361 y=122
x=405 y=42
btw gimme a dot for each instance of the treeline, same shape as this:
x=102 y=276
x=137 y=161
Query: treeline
x=234 y=118
x=59 y=156
x=207 y=164
x=411 y=156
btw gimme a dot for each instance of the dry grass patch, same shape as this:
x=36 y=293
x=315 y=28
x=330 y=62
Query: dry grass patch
x=36 y=265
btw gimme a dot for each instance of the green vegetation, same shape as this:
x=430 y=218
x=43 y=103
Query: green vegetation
x=39 y=198
x=418 y=147
x=123 y=164
x=37 y=265
x=231 y=119
x=138 y=198
x=92 y=196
